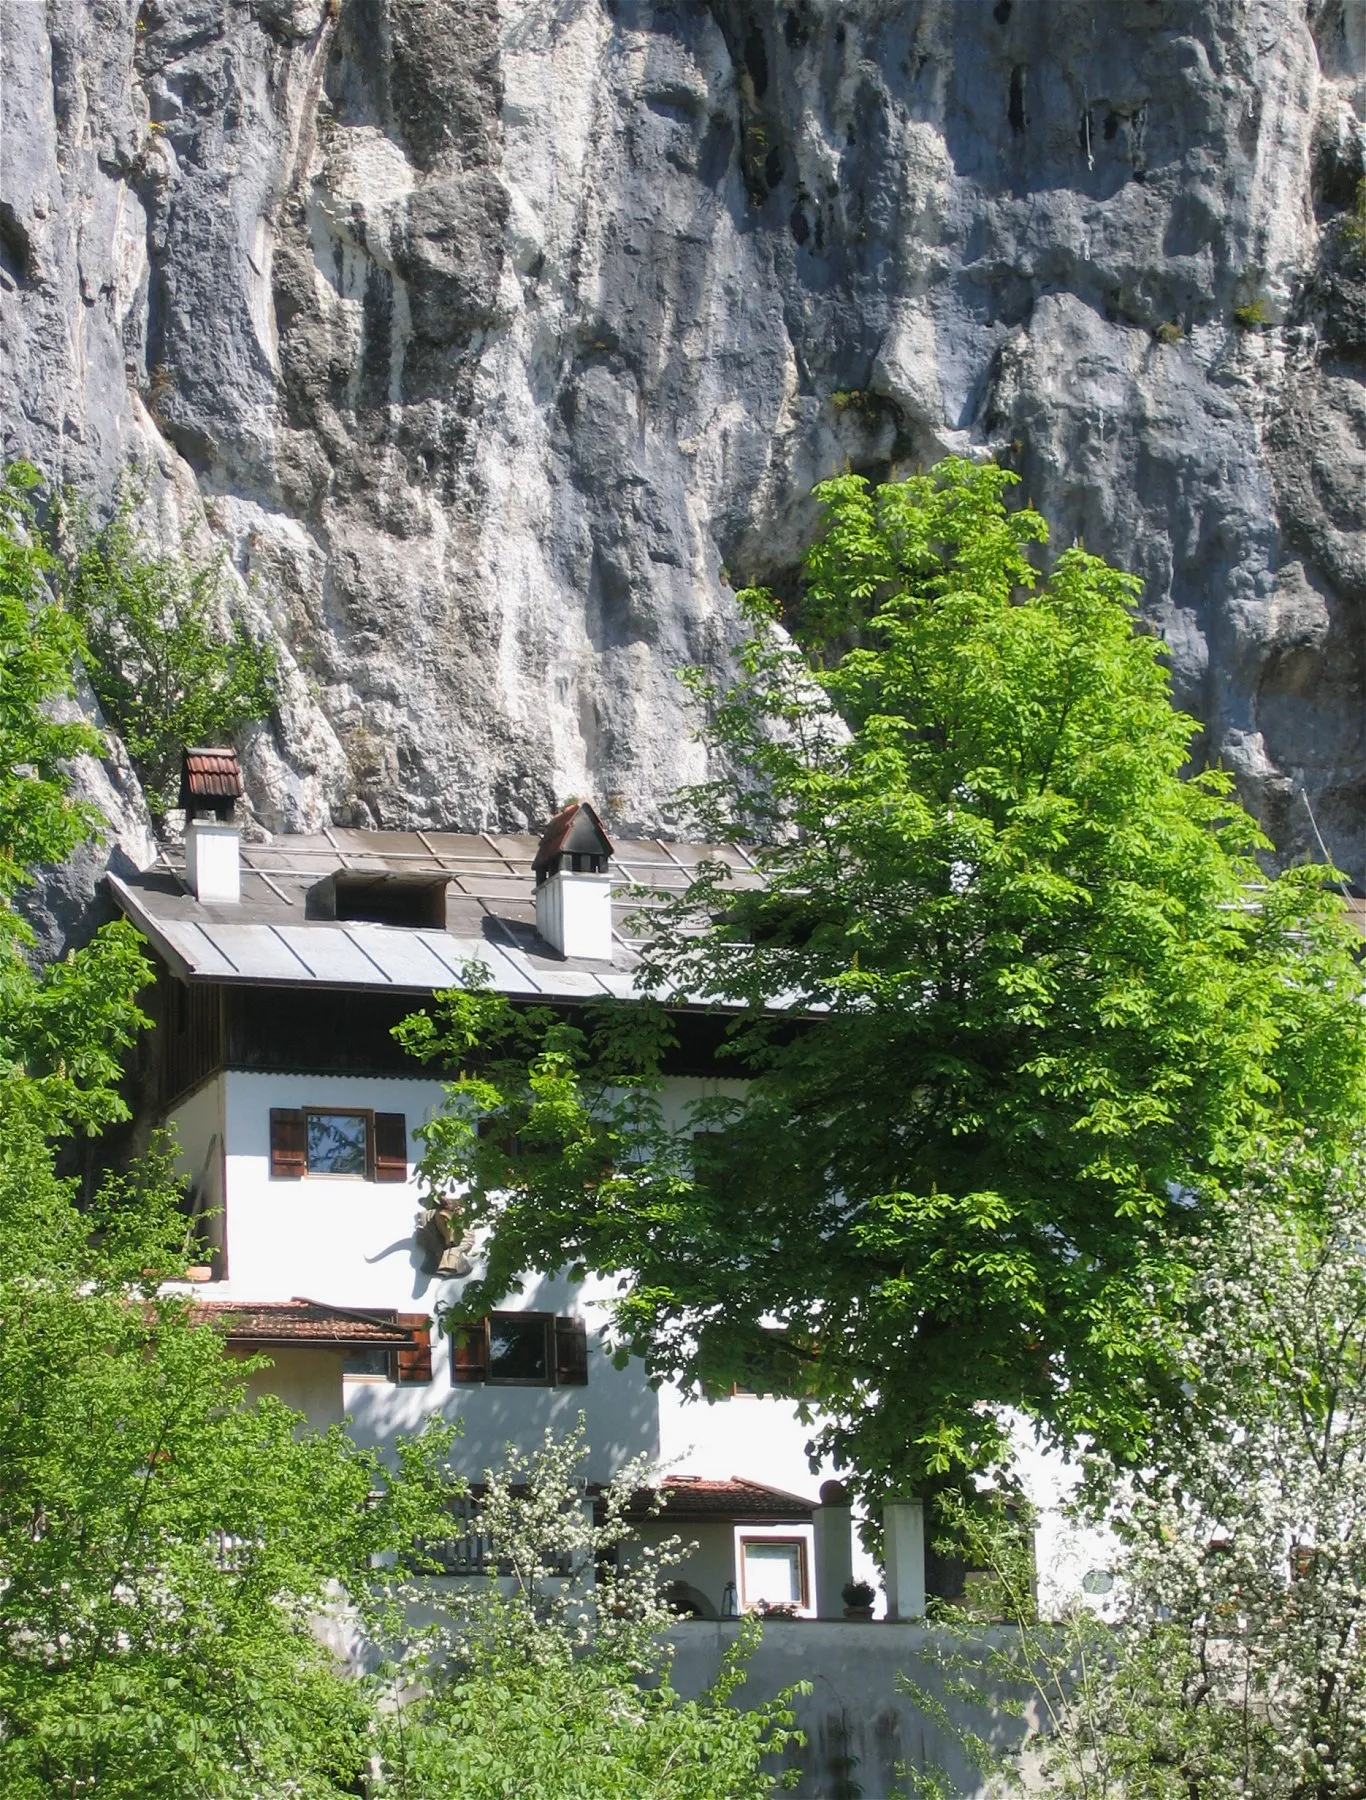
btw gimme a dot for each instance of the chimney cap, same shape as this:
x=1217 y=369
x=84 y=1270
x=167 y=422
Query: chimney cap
x=209 y=779
x=576 y=830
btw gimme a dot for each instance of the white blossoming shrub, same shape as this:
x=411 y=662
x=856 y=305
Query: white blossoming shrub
x=549 y=1678
x=1243 y=1649
x=1234 y=1661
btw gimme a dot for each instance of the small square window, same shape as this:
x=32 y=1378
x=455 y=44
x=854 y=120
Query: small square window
x=519 y=1349
x=773 y=1571
x=337 y=1143
x=368 y=1362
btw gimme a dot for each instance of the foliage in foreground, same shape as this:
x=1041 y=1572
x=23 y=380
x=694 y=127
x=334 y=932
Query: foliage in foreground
x=163 y=1545
x=553 y=1684
x=1235 y=1665
x=1055 y=996
x=169 y=666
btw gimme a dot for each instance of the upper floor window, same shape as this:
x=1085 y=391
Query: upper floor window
x=337 y=1143
x=368 y=1146
x=521 y=1349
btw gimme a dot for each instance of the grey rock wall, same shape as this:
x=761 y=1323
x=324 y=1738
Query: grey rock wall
x=500 y=339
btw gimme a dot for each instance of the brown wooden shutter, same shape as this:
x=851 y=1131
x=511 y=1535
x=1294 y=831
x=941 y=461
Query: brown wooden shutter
x=470 y=1352
x=571 y=1353
x=288 y=1156
x=413 y=1367
x=391 y=1147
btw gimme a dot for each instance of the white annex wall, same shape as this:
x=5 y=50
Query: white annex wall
x=307 y=1380
x=198 y=1122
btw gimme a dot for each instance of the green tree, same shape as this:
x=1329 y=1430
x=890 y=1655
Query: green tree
x=554 y=1682
x=1014 y=988
x=168 y=665
x=164 y=1545
x=64 y=1029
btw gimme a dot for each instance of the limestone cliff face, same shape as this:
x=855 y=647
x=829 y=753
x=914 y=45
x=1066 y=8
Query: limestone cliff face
x=499 y=340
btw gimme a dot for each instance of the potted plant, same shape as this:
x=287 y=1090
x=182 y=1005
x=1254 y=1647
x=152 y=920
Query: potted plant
x=858 y=1597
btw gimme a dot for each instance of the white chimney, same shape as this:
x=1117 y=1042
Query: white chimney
x=213 y=864
x=573 y=887
x=210 y=782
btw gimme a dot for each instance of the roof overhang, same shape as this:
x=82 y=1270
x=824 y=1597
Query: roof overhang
x=300 y=1325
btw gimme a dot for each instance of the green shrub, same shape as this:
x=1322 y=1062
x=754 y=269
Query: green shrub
x=168 y=665
x=1354 y=225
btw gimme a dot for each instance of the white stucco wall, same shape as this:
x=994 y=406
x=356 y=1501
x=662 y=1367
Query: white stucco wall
x=335 y=1238
x=308 y=1380
x=348 y=1242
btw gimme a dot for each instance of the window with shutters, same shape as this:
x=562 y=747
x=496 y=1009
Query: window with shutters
x=337 y=1143
x=521 y=1349
x=352 y=1142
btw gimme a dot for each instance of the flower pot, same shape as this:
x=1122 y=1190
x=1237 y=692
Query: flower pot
x=859 y=1612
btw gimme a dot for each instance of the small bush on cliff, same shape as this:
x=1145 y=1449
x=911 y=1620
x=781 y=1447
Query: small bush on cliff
x=167 y=664
x=1354 y=224
x=63 y=1029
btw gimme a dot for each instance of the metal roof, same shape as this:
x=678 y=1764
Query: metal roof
x=267 y=939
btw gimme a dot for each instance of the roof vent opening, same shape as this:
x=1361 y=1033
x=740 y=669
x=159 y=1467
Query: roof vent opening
x=573 y=886
x=417 y=902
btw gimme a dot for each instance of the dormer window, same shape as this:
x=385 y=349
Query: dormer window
x=417 y=901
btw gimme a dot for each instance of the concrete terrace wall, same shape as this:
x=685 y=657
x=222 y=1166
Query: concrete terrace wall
x=859 y=1726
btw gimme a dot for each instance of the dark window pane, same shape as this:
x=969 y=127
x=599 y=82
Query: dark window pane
x=336 y=1143
x=367 y=1359
x=518 y=1350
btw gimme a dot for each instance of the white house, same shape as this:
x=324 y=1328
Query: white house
x=282 y=967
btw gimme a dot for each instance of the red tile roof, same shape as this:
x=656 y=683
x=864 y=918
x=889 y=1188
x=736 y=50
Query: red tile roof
x=209 y=774
x=701 y=1497
x=299 y=1322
